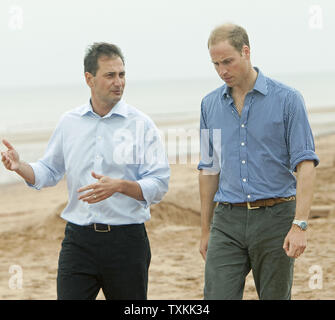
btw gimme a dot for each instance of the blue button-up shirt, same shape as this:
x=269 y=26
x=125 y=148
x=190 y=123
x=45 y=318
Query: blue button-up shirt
x=255 y=152
x=124 y=144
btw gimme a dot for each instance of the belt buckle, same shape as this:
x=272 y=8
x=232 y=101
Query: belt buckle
x=250 y=207
x=97 y=230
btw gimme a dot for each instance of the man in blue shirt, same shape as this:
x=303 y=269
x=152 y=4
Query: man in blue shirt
x=115 y=168
x=254 y=135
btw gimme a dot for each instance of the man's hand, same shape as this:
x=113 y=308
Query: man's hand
x=204 y=245
x=10 y=158
x=295 y=242
x=103 y=189
x=11 y=161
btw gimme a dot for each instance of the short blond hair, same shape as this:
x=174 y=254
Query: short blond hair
x=236 y=35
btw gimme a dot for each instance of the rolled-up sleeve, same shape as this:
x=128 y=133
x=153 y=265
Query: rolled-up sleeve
x=210 y=145
x=154 y=172
x=51 y=168
x=299 y=134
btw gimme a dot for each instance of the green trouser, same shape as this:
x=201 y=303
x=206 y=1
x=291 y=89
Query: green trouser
x=242 y=240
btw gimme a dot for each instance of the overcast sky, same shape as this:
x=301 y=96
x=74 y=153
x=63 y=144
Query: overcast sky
x=43 y=41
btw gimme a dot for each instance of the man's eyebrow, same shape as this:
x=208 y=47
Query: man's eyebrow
x=114 y=72
x=226 y=59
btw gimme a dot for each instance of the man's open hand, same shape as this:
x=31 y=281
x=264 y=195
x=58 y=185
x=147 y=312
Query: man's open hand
x=103 y=189
x=10 y=158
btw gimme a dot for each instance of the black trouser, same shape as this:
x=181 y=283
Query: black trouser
x=116 y=261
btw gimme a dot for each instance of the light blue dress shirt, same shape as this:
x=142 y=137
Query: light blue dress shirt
x=124 y=144
x=255 y=152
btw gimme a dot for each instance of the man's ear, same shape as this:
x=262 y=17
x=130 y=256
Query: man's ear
x=89 y=79
x=245 y=51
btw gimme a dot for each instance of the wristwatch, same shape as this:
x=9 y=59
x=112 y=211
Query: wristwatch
x=301 y=223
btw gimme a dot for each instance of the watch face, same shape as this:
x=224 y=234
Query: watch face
x=303 y=225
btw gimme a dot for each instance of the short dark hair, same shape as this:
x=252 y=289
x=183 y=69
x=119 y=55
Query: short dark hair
x=97 y=50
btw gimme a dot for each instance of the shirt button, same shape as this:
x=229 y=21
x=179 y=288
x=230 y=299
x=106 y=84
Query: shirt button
x=244 y=180
x=243 y=161
x=242 y=143
x=249 y=196
x=97 y=156
x=242 y=125
x=99 y=138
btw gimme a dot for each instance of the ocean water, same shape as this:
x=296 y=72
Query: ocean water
x=173 y=105
x=39 y=108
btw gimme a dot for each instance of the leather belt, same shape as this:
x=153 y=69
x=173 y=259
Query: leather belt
x=99 y=227
x=261 y=203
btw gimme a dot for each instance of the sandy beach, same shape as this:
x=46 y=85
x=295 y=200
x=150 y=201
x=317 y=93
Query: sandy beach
x=31 y=232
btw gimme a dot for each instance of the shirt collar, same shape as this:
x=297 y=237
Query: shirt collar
x=120 y=109
x=260 y=85
x=226 y=91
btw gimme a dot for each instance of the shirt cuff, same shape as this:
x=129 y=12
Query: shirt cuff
x=146 y=187
x=302 y=156
x=37 y=185
x=212 y=169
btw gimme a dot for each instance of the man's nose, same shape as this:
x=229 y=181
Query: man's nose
x=222 y=70
x=118 y=81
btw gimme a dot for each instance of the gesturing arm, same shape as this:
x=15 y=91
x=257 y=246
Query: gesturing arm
x=11 y=161
x=208 y=185
x=105 y=187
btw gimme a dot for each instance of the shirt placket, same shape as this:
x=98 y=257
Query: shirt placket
x=98 y=157
x=243 y=130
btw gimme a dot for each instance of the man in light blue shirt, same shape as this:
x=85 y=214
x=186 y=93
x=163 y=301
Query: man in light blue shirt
x=254 y=135
x=115 y=168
